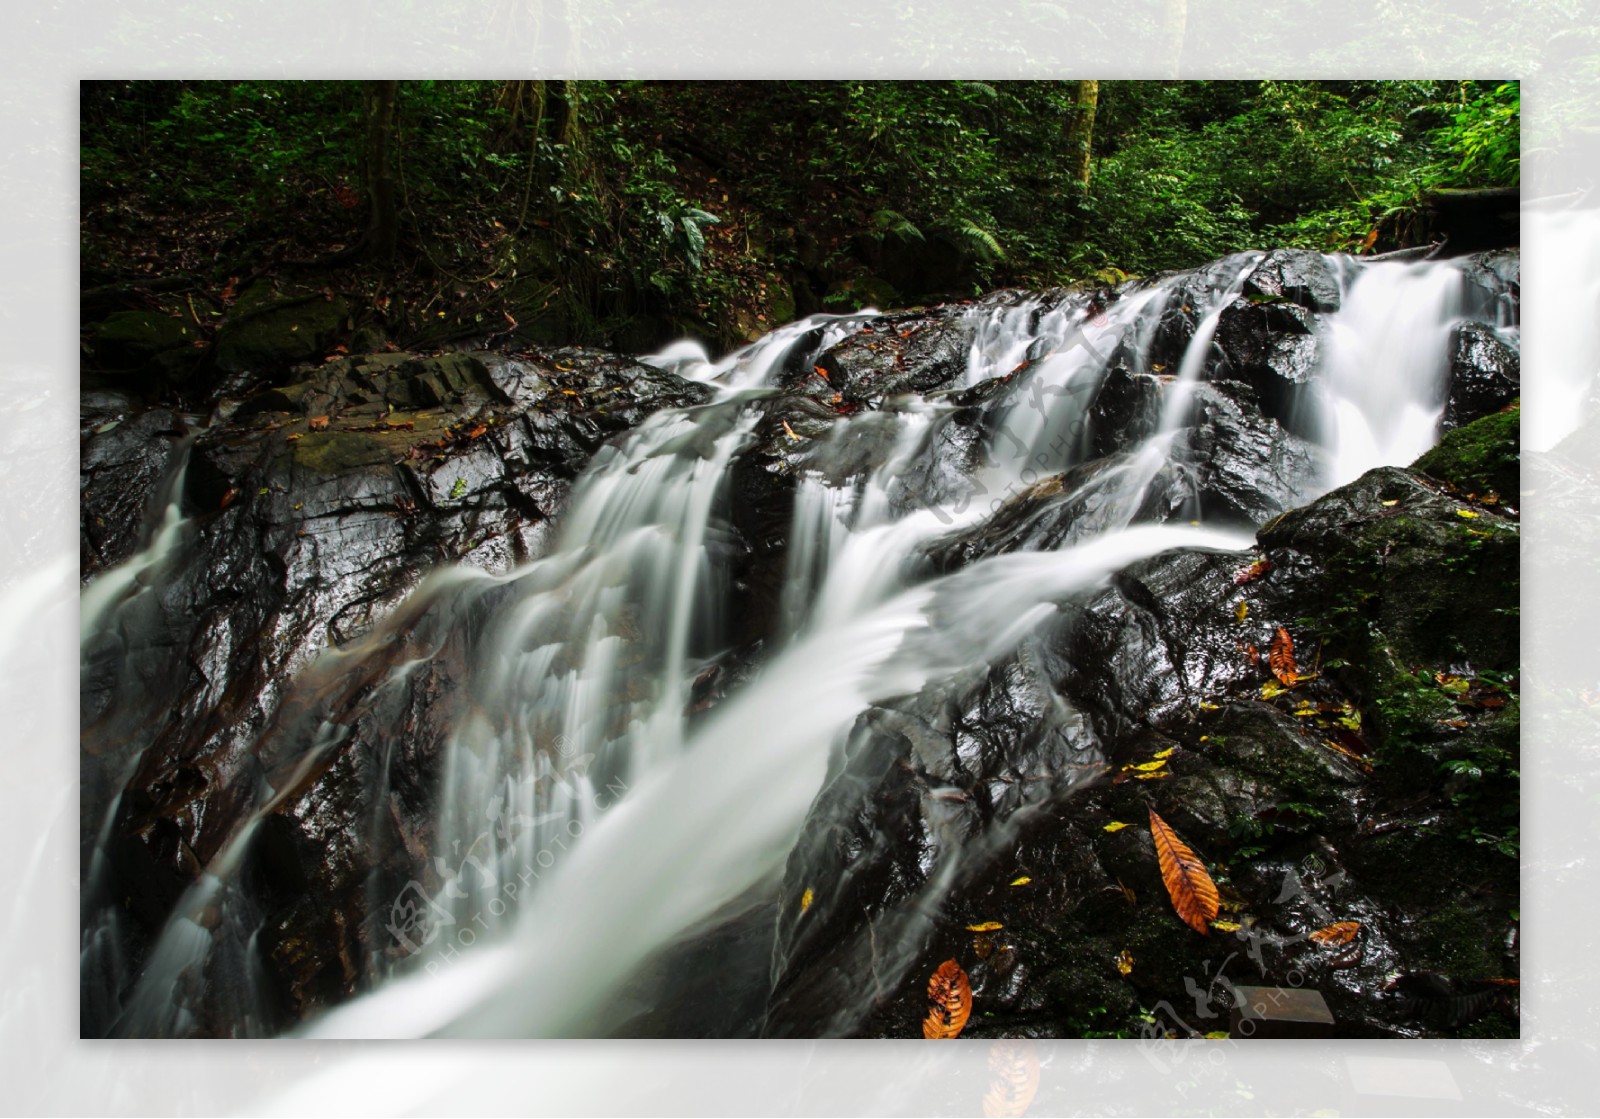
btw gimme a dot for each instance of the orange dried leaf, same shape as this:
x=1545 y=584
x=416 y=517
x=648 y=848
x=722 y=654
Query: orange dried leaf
x=1342 y=932
x=949 y=1002
x=819 y=371
x=1349 y=753
x=1280 y=658
x=1193 y=893
x=317 y=423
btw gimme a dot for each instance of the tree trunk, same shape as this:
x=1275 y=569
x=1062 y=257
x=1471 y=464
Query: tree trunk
x=383 y=222
x=559 y=99
x=1175 y=27
x=1080 y=135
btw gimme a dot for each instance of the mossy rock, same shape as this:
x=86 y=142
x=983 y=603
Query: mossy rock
x=1483 y=457
x=1408 y=576
x=279 y=334
x=780 y=302
x=134 y=337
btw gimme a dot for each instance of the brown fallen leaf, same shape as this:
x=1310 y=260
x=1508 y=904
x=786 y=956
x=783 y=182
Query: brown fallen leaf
x=950 y=1002
x=1280 y=658
x=1341 y=932
x=317 y=423
x=1194 y=894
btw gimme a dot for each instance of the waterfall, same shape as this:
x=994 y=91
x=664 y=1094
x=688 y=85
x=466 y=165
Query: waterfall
x=1386 y=364
x=589 y=816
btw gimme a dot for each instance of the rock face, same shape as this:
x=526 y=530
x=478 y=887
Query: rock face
x=318 y=498
x=1485 y=374
x=315 y=508
x=1373 y=791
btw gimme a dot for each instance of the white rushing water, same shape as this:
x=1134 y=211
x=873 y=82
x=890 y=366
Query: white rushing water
x=585 y=822
x=1385 y=365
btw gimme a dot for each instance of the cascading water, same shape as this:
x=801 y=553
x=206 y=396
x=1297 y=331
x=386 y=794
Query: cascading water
x=1386 y=364
x=589 y=817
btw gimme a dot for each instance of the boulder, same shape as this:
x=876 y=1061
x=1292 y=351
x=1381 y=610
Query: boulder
x=1313 y=804
x=314 y=509
x=266 y=338
x=1485 y=374
x=1299 y=276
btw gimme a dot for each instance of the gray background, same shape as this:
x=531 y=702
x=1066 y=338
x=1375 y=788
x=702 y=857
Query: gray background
x=44 y=1069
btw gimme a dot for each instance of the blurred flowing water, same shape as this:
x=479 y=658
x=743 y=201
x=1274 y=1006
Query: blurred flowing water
x=590 y=819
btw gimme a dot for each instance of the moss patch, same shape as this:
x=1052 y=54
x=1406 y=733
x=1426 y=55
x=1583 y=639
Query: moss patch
x=1483 y=457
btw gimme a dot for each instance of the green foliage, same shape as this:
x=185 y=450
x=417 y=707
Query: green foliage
x=1484 y=134
x=705 y=204
x=1448 y=135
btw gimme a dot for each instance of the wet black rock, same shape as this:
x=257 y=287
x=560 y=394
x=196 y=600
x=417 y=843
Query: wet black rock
x=314 y=508
x=1315 y=803
x=1300 y=276
x=122 y=464
x=1272 y=347
x=906 y=352
x=1485 y=374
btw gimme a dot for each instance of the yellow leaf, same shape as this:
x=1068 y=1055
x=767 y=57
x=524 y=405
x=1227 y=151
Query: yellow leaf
x=1272 y=689
x=789 y=431
x=1242 y=611
x=1218 y=1035
x=1206 y=706
x=807 y=898
x=1114 y=825
x=1023 y=881
x=985 y=926
x=1156 y=776
x=1145 y=767
x=1225 y=926
x=1467 y=513
x=1391 y=504
x=1124 y=962
x=1167 y=753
